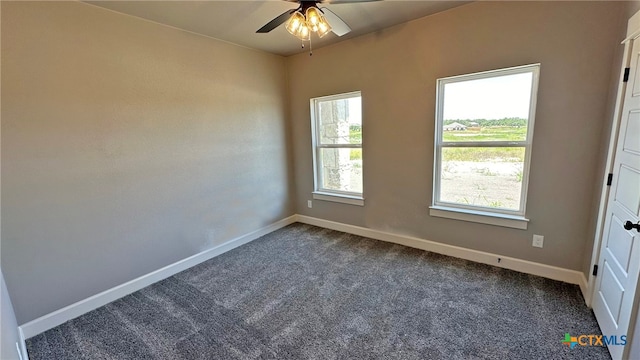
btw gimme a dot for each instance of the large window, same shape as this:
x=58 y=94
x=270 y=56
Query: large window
x=483 y=136
x=336 y=123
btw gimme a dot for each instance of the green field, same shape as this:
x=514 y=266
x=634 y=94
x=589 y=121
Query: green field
x=490 y=133
x=487 y=133
x=510 y=154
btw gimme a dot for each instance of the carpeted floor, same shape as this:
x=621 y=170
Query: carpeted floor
x=305 y=292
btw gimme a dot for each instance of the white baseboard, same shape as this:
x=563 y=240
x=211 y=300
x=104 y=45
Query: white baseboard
x=72 y=311
x=24 y=355
x=591 y=283
x=584 y=288
x=524 y=266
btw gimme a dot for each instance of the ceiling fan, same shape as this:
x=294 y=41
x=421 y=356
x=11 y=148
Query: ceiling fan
x=308 y=18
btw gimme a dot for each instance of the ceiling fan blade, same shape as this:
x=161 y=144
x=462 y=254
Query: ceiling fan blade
x=338 y=26
x=336 y=2
x=276 y=22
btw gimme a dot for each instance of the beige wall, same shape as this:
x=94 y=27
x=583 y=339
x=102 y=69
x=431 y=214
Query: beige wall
x=127 y=146
x=396 y=70
x=631 y=8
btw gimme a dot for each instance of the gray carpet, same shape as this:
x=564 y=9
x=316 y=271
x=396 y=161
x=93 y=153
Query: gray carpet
x=304 y=292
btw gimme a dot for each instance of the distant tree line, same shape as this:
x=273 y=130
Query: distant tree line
x=514 y=122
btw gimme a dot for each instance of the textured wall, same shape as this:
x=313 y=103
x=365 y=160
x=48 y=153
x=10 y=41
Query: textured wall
x=127 y=146
x=396 y=70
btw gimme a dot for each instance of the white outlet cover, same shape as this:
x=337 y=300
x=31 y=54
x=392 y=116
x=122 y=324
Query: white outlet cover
x=309 y=203
x=538 y=241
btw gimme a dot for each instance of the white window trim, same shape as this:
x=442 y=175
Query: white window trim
x=482 y=217
x=486 y=215
x=319 y=193
x=345 y=199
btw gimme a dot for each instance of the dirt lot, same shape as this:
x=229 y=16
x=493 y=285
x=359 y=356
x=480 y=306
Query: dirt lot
x=491 y=184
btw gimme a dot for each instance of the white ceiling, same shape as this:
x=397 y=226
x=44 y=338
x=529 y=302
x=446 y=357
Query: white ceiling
x=237 y=21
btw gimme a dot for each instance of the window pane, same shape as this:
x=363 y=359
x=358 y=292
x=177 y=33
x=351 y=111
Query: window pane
x=485 y=130
x=341 y=169
x=340 y=121
x=491 y=109
x=486 y=177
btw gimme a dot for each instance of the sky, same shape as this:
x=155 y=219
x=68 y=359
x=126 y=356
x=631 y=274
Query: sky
x=355 y=110
x=493 y=98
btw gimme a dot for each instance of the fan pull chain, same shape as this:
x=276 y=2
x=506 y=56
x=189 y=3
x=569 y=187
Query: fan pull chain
x=310 y=47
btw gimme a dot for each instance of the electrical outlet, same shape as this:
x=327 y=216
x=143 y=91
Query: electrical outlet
x=538 y=241
x=309 y=204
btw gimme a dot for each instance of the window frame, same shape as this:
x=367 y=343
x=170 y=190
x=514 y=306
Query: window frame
x=320 y=192
x=481 y=214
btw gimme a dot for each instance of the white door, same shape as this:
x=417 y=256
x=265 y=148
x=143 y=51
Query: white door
x=619 y=263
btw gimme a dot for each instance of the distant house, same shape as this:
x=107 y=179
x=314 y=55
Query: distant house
x=454 y=126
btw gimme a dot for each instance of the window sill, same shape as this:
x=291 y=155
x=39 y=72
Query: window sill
x=344 y=199
x=483 y=217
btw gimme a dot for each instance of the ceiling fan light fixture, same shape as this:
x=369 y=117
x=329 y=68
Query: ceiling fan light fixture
x=314 y=17
x=305 y=20
x=323 y=28
x=294 y=23
x=303 y=33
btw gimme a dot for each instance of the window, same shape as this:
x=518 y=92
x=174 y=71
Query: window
x=483 y=135
x=336 y=126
